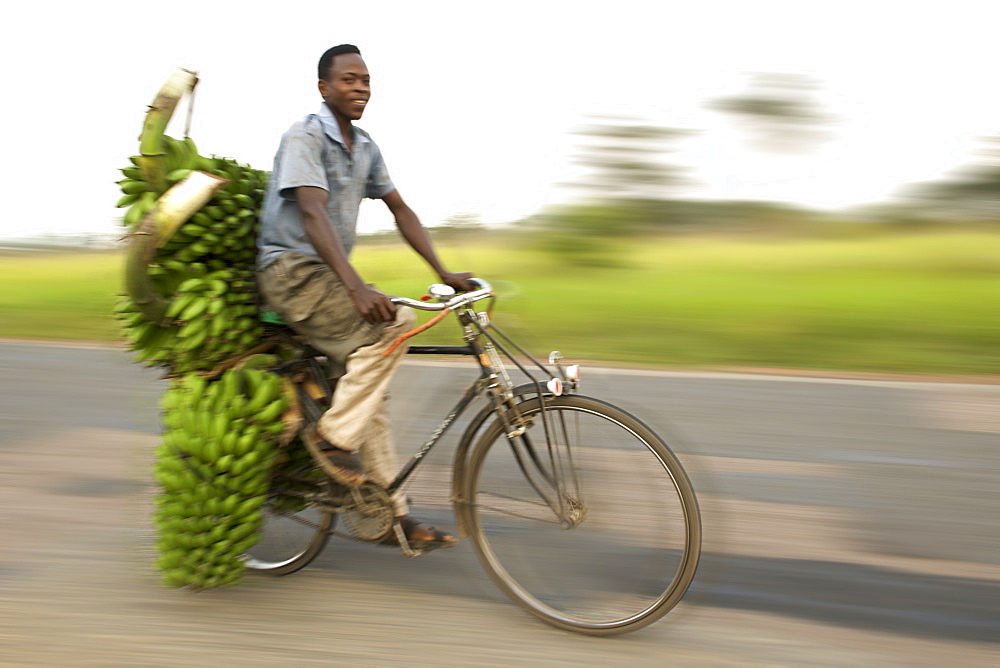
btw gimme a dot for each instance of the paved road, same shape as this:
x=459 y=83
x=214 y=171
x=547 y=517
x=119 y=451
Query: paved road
x=847 y=523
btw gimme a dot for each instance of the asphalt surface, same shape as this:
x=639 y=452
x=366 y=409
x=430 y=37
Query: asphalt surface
x=846 y=523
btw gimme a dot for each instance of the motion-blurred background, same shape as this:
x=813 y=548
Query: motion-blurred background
x=775 y=225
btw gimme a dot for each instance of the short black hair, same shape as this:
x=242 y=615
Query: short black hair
x=326 y=60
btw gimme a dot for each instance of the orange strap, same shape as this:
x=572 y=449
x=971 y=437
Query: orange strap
x=416 y=330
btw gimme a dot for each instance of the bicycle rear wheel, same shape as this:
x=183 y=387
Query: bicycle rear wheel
x=615 y=549
x=293 y=532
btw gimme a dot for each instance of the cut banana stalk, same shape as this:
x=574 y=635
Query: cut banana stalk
x=171 y=211
x=152 y=148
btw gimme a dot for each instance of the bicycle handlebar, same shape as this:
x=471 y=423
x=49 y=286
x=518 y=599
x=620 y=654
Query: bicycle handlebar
x=485 y=290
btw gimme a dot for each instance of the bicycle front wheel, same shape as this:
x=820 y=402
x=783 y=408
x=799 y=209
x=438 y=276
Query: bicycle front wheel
x=587 y=520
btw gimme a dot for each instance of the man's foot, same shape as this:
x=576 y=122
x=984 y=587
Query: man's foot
x=419 y=535
x=342 y=465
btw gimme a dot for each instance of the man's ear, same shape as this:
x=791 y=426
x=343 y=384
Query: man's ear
x=324 y=88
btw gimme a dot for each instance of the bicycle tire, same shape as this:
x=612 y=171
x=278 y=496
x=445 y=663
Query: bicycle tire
x=634 y=554
x=289 y=541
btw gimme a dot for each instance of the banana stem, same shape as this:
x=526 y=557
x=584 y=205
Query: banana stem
x=171 y=211
x=151 y=147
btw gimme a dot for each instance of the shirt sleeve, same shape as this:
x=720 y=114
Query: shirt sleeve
x=301 y=163
x=379 y=183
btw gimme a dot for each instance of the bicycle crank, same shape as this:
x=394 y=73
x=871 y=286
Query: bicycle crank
x=367 y=512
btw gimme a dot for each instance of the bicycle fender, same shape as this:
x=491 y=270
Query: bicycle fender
x=460 y=463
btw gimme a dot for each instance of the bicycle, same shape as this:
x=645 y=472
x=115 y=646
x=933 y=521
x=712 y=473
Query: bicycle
x=578 y=511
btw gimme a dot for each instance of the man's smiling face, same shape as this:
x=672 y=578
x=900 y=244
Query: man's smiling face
x=346 y=88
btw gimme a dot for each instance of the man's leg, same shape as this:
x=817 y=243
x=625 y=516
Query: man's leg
x=357 y=420
x=378 y=455
x=310 y=297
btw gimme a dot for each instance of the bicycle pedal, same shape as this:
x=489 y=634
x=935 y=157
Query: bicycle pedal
x=404 y=544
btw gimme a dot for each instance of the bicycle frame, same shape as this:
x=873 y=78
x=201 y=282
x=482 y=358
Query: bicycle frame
x=485 y=343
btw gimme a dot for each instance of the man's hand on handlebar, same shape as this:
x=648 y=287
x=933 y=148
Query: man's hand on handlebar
x=374 y=306
x=459 y=281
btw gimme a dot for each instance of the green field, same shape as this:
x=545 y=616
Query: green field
x=917 y=303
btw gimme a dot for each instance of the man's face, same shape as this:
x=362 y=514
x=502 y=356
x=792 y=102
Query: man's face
x=346 y=89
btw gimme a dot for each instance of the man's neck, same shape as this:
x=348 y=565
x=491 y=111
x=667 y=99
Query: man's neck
x=346 y=129
x=347 y=132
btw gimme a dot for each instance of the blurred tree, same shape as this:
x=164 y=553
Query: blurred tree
x=624 y=159
x=459 y=224
x=971 y=192
x=626 y=187
x=780 y=111
x=463 y=221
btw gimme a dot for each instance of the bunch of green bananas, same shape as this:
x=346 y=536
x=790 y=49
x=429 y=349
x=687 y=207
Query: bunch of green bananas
x=212 y=317
x=214 y=469
x=205 y=268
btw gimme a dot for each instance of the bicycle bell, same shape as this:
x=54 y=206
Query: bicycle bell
x=441 y=292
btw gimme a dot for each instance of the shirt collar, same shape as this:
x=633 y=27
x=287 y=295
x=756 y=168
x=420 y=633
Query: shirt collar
x=332 y=128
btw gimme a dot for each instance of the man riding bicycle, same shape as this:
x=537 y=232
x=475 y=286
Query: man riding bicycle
x=324 y=167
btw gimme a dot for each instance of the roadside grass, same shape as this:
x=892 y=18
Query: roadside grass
x=59 y=296
x=922 y=303
x=917 y=303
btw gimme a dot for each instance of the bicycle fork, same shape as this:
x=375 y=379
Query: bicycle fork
x=550 y=471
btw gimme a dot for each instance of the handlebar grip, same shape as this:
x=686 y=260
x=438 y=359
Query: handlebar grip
x=413 y=303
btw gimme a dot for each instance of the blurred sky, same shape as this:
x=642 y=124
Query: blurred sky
x=474 y=102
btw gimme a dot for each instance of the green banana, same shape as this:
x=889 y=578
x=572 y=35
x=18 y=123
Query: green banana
x=218 y=324
x=194 y=341
x=196 y=308
x=228 y=444
x=272 y=411
x=193 y=230
x=244 y=201
x=195 y=284
x=127 y=199
x=198 y=268
x=266 y=392
x=134 y=215
x=218 y=429
x=215 y=305
x=231 y=383
x=178 y=305
x=192 y=150
x=189 y=329
x=133 y=186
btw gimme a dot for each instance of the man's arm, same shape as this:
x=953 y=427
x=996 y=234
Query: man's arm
x=415 y=235
x=373 y=305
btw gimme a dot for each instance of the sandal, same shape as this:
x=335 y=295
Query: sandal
x=342 y=465
x=419 y=536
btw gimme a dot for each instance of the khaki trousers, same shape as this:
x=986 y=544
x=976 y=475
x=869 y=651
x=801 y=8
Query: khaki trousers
x=310 y=297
